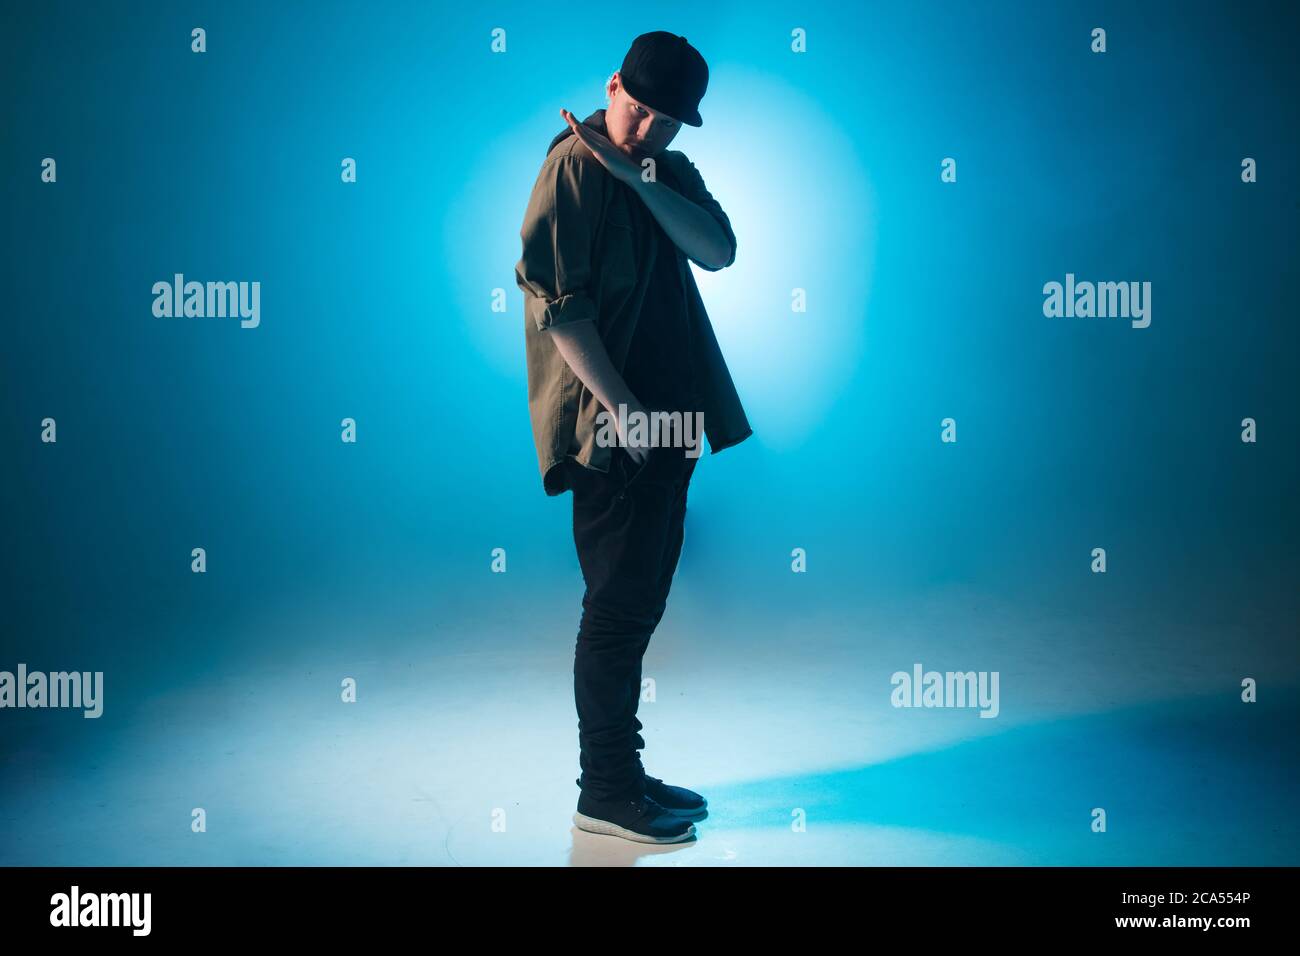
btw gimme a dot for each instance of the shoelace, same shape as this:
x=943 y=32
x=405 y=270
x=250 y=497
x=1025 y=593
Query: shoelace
x=647 y=805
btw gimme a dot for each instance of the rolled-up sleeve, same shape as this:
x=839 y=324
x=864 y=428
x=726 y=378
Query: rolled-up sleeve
x=693 y=188
x=560 y=224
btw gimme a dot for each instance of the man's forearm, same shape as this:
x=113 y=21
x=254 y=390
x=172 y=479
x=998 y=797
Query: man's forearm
x=689 y=226
x=580 y=345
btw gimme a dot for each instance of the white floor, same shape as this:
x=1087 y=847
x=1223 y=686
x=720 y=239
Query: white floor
x=462 y=747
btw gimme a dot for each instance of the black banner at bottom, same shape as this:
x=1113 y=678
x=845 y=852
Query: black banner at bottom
x=333 y=904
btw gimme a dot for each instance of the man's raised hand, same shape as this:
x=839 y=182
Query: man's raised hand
x=619 y=164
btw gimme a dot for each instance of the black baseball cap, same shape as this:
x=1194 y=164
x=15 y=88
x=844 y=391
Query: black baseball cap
x=666 y=73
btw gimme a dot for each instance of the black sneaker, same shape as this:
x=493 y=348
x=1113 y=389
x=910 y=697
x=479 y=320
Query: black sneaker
x=639 y=819
x=676 y=800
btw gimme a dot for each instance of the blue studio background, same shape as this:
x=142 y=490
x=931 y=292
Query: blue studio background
x=924 y=302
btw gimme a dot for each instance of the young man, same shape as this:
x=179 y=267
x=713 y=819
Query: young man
x=614 y=329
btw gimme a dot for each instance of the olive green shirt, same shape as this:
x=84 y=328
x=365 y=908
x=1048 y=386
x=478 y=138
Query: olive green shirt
x=587 y=248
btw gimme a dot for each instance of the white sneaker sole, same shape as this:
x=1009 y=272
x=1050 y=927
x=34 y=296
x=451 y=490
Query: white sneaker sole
x=593 y=825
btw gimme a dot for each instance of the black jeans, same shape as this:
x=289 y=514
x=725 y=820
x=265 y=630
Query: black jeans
x=628 y=529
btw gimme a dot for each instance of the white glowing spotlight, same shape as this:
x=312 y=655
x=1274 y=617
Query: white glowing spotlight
x=804 y=217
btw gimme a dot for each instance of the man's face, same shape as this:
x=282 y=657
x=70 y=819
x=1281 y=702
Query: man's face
x=635 y=128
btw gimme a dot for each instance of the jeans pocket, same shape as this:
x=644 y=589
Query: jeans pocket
x=632 y=471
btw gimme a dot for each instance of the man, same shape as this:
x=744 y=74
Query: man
x=615 y=329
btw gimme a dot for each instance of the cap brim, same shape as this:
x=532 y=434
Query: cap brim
x=637 y=94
